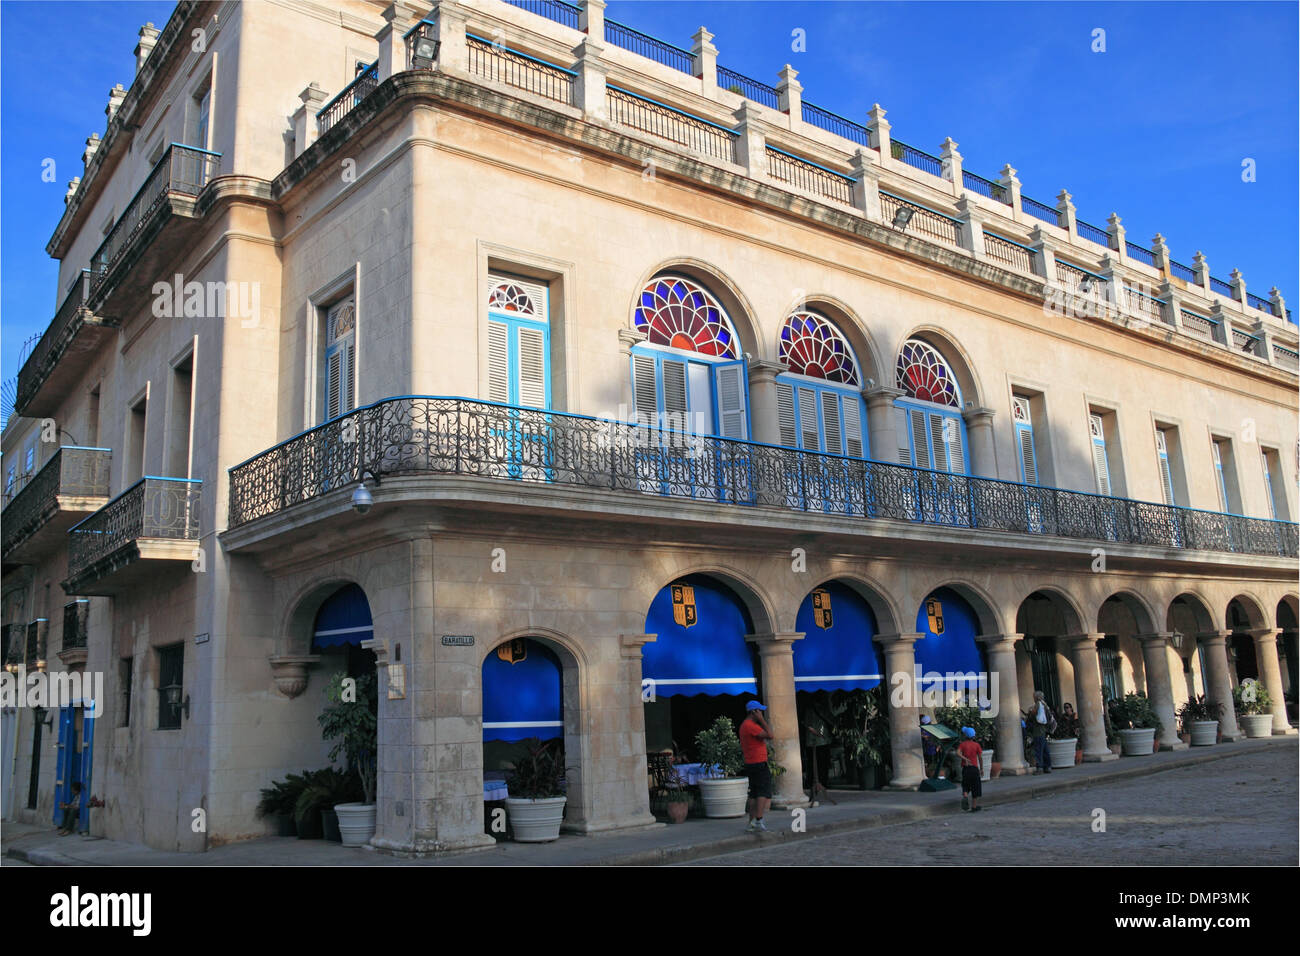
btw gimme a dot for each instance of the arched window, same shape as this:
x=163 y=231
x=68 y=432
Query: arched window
x=931 y=431
x=819 y=398
x=340 y=357
x=687 y=375
x=518 y=342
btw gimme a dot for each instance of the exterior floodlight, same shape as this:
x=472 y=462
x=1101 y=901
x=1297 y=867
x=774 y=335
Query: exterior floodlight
x=362 y=501
x=1085 y=285
x=425 y=53
x=903 y=217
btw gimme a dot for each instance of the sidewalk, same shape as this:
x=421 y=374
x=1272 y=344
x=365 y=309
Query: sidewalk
x=655 y=845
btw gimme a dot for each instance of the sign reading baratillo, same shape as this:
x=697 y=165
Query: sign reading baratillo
x=458 y=640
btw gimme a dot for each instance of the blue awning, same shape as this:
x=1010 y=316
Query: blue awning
x=701 y=647
x=953 y=651
x=344 y=618
x=523 y=699
x=837 y=651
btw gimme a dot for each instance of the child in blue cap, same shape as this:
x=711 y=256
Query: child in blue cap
x=970 y=753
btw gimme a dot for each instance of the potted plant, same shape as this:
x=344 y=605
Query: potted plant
x=1253 y=705
x=535 y=806
x=957 y=717
x=279 y=801
x=1136 y=723
x=349 y=719
x=678 y=797
x=860 y=724
x=1063 y=742
x=1200 y=719
x=725 y=790
x=325 y=790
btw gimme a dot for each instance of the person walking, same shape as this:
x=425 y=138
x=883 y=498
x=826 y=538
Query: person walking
x=971 y=786
x=754 y=735
x=1041 y=723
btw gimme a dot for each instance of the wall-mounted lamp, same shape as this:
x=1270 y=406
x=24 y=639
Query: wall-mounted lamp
x=362 y=501
x=425 y=53
x=1030 y=644
x=1085 y=285
x=173 y=695
x=903 y=217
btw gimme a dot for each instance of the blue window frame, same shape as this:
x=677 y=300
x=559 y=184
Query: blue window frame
x=817 y=417
x=519 y=350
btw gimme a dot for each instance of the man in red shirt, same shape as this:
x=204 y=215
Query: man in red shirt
x=754 y=734
x=970 y=753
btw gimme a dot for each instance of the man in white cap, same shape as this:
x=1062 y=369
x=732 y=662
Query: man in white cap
x=754 y=734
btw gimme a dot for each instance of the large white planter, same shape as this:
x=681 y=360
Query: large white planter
x=725 y=797
x=1138 y=743
x=535 y=821
x=356 y=823
x=986 y=765
x=1205 y=733
x=1061 y=752
x=1257 y=725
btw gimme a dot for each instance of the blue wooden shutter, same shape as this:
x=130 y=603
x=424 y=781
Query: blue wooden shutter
x=1218 y=476
x=1100 y=463
x=731 y=391
x=1268 y=487
x=1166 y=477
x=87 y=763
x=1025 y=440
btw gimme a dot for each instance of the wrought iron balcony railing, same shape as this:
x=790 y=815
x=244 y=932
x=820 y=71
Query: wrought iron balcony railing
x=72 y=472
x=182 y=171
x=72 y=315
x=166 y=508
x=349 y=97
x=76 y=622
x=417 y=435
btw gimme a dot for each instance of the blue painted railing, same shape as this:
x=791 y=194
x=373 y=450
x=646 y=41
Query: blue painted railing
x=623 y=36
x=748 y=87
x=1040 y=210
x=834 y=123
x=557 y=10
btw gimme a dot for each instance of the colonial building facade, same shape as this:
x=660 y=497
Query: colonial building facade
x=661 y=378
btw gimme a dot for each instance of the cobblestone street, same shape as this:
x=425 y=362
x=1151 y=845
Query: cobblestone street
x=1240 y=809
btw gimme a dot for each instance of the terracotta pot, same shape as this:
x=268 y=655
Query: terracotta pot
x=677 y=811
x=996 y=771
x=1078 y=757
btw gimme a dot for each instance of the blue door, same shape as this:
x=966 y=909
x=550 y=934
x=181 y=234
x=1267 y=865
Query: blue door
x=519 y=347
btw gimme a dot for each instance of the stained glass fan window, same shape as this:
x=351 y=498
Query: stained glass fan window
x=923 y=374
x=680 y=314
x=812 y=346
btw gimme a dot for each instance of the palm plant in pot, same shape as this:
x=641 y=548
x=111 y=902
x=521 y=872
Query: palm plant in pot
x=860 y=724
x=1200 y=719
x=726 y=790
x=349 y=719
x=536 y=784
x=279 y=801
x=1136 y=723
x=1254 y=708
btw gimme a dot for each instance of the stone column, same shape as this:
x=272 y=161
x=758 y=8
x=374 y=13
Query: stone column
x=751 y=141
x=1010 y=749
x=1201 y=268
x=881 y=422
x=866 y=190
x=1011 y=183
x=1270 y=675
x=971 y=228
x=304 y=118
x=1279 y=304
x=1065 y=213
x=790 y=96
x=904 y=719
x=148 y=40
x=762 y=401
x=705 y=56
x=1087 y=695
x=979 y=432
x=399 y=17
x=1218 y=683
x=776 y=657
x=951 y=160
x=878 y=136
x=1044 y=254
x=1160 y=689
x=1238 y=283
x=591 y=18
x=631 y=795
x=1118 y=237
x=592 y=69
x=453 y=52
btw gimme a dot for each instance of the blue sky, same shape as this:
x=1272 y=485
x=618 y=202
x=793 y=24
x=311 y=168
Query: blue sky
x=1155 y=128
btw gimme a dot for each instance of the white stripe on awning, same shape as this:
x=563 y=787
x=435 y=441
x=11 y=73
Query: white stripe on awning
x=798 y=680
x=523 y=723
x=703 y=680
x=344 y=630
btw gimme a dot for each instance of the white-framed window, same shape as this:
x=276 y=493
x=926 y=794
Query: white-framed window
x=519 y=342
x=1022 y=418
x=1100 y=460
x=1225 y=475
x=1274 y=490
x=931 y=431
x=819 y=397
x=1163 y=443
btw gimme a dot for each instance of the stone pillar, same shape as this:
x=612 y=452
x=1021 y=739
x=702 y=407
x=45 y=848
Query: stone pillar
x=952 y=165
x=878 y=134
x=304 y=118
x=1160 y=689
x=1044 y=254
x=632 y=796
x=1160 y=253
x=904 y=718
x=1011 y=183
x=592 y=69
x=882 y=415
x=866 y=190
x=971 y=226
x=776 y=657
x=73 y=185
x=1087 y=696
x=88 y=154
x=1201 y=267
x=762 y=401
x=1270 y=675
x=705 y=56
x=1118 y=237
x=979 y=433
x=1010 y=749
x=453 y=53
x=751 y=141
x=399 y=17
x=1218 y=683
x=115 y=97
x=148 y=40
x=1238 y=283
x=591 y=18
x=1278 y=303
x=789 y=92
x=1223 y=323
x=1065 y=214
x=1173 y=297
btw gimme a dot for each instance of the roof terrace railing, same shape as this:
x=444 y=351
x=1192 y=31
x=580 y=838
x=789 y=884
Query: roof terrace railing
x=623 y=36
x=563 y=13
x=349 y=97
